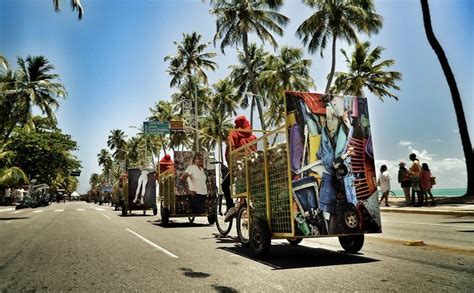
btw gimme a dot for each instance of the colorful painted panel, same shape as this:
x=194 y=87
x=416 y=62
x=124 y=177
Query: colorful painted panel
x=332 y=165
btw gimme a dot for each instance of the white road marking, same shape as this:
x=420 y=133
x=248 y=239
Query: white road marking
x=99 y=209
x=153 y=244
x=106 y=216
x=39 y=211
x=16 y=212
x=61 y=210
x=80 y=210
x=430 y=224
x=8 y=221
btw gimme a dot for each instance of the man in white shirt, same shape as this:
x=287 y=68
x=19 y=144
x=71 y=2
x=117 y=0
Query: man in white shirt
x=384 y=183
x=197 y=187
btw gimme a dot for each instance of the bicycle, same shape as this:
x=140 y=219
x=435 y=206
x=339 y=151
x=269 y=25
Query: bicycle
x=223 y=222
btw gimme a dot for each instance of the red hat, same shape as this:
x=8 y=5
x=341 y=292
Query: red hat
x=242 y=122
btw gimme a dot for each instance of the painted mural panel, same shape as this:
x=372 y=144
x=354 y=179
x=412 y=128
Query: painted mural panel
x=332 y=165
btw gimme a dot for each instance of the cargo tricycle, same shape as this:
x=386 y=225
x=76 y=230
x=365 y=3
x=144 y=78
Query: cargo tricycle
x=187 y=189
x=138 y=191
x=313 y=176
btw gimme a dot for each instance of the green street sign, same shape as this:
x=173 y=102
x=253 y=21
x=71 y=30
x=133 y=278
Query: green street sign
x=156 y=127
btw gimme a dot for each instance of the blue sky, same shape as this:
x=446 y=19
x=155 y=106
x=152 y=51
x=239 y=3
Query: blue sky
x=111 y=63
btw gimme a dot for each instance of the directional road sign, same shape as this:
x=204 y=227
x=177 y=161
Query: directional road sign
x=156 y=127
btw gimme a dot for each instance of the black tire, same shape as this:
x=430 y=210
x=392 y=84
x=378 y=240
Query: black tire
x=294 y=241
x=191 y=219
x=144 y=212
x=155 y=211
x=260 y=238
x=243 y=227
x=124 y=211
x=352 y=243
x=220 y=212
x=211 y=219
x=165 y=215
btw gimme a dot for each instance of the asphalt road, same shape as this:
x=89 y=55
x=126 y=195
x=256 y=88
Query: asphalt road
x=86 y=247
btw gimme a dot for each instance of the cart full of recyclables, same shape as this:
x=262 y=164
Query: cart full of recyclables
x=314 y=176
x=174 y=196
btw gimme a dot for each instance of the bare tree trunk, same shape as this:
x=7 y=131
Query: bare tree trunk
x=333 y=65
x=456 y=96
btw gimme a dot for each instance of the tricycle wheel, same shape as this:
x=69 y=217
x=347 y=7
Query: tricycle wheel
x=260 y=238
x=221 y=208
x=294 y=241
x=124 y=211
x=191 y=219
x=211 y=219
x=155 y=211
x=165 y=215
x=352 y=243
x=144 y=212
x=243 y=226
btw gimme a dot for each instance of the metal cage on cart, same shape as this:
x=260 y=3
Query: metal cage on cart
x=311 y=177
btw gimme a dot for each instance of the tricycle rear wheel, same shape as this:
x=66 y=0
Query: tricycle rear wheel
x=260 y=238
x=352 y=243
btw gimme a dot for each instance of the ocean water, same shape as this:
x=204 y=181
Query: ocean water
x=440 y=192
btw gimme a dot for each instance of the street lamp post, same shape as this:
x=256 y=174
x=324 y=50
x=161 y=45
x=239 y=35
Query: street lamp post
x=196 y=130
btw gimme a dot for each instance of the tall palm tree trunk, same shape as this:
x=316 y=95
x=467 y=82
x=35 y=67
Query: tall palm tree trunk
x=333 y=65
x=253 y=82
x=456 y=96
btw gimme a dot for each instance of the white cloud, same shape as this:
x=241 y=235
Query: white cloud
x=422 y=155
x=405 y=143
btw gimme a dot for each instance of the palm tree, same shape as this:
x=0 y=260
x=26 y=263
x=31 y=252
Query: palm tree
x=4 y=63
x=285 y=71
x=366 y=71
x=9 y=175
x=236 y=19
x=240 y=76
x=117 y=143
x=455 y=95
x=31 y=85
x=105 y=160
x=94 y=180
x=224 y=104
x=337 y=19
x=189 y=64
x=75 y=4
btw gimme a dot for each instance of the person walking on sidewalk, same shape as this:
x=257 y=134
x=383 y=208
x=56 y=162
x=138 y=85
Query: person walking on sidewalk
x=415 y=171
x=384 y=183
x=425 y=181
x=404 y=180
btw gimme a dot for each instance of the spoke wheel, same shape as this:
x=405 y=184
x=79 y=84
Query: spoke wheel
x=243 y=230
x=165 y=215
x=221 y=209
x=260 y=239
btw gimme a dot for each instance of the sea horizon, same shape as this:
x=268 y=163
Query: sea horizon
x=448 y=192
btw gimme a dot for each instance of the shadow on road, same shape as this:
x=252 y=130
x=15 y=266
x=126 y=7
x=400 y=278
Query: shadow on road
x=285 y=256
x=14 y=218
x=173 y=224
x=134 y=215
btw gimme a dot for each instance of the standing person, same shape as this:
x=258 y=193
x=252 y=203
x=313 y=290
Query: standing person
x=197 y=187
x=384 y=183
x=415 y=171
x=404 y=180
x=425 y=180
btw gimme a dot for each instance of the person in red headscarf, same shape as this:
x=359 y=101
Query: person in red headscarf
x=239 y=136
x=165 y=164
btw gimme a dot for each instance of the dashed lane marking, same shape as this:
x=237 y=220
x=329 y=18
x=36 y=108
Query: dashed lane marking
x=106 y=216
x=38 y=211
x=99 y=209
x=16 y=212
x=80 y=210
x=61 y=210
x=153 y=244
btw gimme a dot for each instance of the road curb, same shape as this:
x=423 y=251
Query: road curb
x=7 y=210
x=432 y=212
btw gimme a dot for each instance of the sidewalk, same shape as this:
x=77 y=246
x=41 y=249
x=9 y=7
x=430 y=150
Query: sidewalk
x=397 y=205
